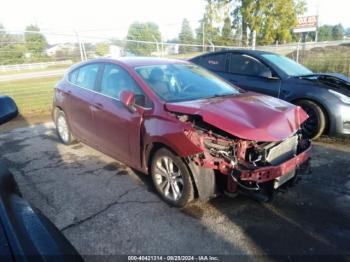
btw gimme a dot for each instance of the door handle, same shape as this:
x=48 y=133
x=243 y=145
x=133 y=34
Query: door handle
x=68 y=93
x=98 y=106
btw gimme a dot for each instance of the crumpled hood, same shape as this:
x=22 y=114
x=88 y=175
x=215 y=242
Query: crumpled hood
x=334 y=81
x=248 y=116
x=335 y=75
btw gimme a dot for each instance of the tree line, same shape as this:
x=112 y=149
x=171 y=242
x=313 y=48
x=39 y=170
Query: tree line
x=224 y=23
x=19 y=48
x=236 y=23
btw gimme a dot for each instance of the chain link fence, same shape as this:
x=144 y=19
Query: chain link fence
x=32 y=84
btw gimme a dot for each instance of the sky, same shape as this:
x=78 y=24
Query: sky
x=108 y=18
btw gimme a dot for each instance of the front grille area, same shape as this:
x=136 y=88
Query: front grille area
x=273 y=153
x=346 y=126
x=281 y=152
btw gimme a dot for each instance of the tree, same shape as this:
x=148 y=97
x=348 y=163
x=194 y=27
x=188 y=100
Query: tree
x=226 y=33
x=330 y=32
x=102 y=48
x=271 y=20
x=3 y=36
x=12 y=51
x=35 y=42
x=186 y=36
x=143 y=32
x=324 y=33
x=338 y=32
x=210 y=18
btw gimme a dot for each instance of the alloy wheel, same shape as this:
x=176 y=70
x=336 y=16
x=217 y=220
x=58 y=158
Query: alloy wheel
x=168 y=178
x=62 y=128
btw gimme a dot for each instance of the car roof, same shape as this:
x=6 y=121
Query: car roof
x=240 y=50
x=140 y=61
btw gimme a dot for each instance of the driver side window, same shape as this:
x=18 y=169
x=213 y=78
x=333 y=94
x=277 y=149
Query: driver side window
x=115 y=79
x=242 y=64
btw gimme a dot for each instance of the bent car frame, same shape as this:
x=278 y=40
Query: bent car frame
x=194 y=133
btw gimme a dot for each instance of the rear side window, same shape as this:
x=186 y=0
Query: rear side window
x=216 y=62
x=73 y=76
x=246 y=65
x=85 y=76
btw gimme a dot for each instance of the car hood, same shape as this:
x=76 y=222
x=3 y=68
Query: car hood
x=248 y=115
x=334 y=81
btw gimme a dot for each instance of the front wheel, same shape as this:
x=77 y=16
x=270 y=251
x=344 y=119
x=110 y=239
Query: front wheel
x=315 y=125
x=171 y=178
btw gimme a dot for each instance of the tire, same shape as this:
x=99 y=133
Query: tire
x=62 y=128
x=316 y=123
x=175 y=187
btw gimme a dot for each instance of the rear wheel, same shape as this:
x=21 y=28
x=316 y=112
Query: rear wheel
x=171 y=178
x=62 y=128
x=315 y=125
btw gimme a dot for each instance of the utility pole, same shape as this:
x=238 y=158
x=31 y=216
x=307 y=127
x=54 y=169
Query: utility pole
x=84 y=51
x=298 y=47
x=162 y=45
x=317 y=17
x=254 y=40
x=155 y=39
x=80 y=46
x=203 y=41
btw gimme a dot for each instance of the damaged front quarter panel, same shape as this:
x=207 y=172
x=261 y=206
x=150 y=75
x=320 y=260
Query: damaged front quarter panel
x=246 y=165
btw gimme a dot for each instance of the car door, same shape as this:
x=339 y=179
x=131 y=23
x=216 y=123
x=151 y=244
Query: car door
x=79 y=95
x=117 y=127
x=251 y=74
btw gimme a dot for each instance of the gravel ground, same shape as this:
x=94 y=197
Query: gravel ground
x=105 y=208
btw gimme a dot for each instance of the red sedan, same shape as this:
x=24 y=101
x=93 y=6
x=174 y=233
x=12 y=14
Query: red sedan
x=194 y=133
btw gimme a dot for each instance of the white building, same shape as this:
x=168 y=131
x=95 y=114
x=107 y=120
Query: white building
x=67 y=47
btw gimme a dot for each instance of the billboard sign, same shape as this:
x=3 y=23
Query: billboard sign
x=306 y=24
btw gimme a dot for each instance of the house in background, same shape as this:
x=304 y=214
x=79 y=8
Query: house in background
x=58 y=49
x=115 y=51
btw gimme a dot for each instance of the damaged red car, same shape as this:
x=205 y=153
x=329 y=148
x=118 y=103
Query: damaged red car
x=194 y=133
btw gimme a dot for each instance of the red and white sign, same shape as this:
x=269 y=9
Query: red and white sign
x=306 y=24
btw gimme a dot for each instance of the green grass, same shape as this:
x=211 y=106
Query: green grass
x=334 y=59
x=33 y=96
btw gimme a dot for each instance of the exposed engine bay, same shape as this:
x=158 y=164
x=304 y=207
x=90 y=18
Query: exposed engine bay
x=246 y=164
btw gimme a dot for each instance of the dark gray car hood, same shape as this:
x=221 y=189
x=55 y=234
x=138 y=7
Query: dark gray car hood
x=334 y=81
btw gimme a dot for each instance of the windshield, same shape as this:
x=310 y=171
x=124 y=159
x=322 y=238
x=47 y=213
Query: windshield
x=183 y=82
x=287 y=65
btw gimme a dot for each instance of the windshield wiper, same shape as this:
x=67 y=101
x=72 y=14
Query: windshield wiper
x=221 y=95
x=199 y=98
x=308 y=76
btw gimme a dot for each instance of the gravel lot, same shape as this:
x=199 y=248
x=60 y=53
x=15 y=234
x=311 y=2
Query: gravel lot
x=103 y=207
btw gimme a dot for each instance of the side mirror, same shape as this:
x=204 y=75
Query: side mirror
x=266 y=74
x=128 y=99
x=8 y=109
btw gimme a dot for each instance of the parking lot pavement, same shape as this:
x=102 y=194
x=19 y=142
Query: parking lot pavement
x=103 y=207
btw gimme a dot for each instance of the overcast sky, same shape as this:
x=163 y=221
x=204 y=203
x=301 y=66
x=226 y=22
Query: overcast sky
x=105 y=18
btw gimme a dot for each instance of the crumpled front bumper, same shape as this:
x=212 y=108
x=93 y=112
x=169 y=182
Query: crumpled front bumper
x=251 y=179
x=265 y=174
